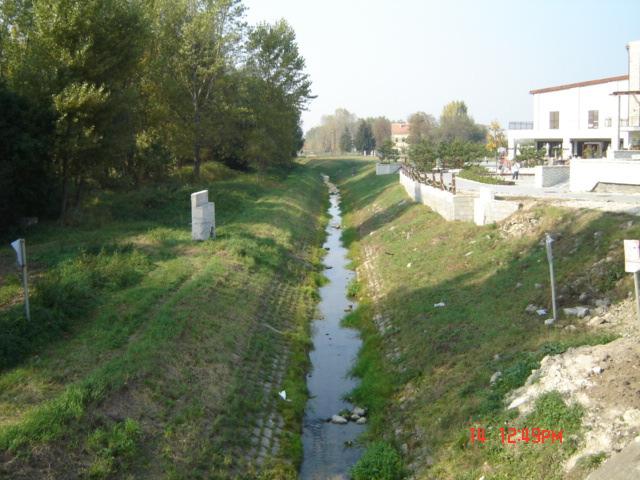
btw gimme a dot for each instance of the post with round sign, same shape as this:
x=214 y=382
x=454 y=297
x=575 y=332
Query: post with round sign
x=21 y=259
x=632 y=265
x=549 y=243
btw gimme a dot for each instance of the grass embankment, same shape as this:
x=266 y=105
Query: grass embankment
x=154 y=356
x=426 y=377
x=480 y=174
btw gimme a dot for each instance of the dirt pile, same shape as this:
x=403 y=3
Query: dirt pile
x=603 y=379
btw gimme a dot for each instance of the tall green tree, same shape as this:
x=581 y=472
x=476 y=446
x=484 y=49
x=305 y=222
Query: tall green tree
x=198 y=44
x=388 y=152
x=80 y=55
x=280 y=90
x=364 y=140
x=346 y=142
x=423 y=155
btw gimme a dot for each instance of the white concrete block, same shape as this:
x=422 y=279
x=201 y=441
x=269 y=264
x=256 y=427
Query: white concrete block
x=203 y=224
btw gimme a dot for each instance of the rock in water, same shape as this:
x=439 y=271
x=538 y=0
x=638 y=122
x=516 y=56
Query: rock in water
x=361 y=412
x=339 y=420
x=361 y=421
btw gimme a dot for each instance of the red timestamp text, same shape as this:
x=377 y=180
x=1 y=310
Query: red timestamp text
x=518 y=435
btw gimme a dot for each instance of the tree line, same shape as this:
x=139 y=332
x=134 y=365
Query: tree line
x=104 y=93
x=453 y=140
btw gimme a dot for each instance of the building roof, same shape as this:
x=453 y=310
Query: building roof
x=399 y=129
x=567 y=86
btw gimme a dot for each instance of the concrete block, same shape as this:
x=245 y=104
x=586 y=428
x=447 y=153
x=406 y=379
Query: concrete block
x=203 y=224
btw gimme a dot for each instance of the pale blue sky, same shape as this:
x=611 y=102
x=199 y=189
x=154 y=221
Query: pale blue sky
x=396 y=57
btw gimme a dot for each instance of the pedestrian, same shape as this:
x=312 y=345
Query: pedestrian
x=515 y=170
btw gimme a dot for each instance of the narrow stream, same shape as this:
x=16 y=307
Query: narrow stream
x=326 y=451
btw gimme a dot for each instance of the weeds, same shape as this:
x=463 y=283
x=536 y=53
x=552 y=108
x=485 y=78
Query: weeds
x=113 y=448
x=379 y=462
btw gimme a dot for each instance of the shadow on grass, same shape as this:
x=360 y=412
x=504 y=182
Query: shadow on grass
x=72 y=284
x=486 y=278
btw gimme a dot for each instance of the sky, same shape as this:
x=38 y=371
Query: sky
x=396 y=57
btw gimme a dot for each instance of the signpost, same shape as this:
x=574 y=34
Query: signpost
x=21 y=254
x=632 y=265
x=549 y=242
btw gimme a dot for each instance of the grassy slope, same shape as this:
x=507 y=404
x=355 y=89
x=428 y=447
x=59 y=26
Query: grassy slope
x=159 y=370
x=427 y=377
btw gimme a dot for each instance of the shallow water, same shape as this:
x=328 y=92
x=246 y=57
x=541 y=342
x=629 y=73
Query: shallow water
x=335 y=349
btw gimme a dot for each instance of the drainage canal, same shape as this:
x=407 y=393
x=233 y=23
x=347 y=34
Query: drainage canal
x=329 y=452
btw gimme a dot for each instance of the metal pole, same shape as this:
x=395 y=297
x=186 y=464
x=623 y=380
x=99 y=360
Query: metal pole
x=552 y=275
x=636 y=278
x=25 y=279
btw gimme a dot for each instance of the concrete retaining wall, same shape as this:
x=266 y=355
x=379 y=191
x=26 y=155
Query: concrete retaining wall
x=387 y=168
x=482 y=210
x=587 y=173
x=489 y=210
x=547 y=176
x=448 y=205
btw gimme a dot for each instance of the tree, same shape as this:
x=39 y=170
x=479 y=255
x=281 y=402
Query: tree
x=363 y=140
x=333 y=127
x=459 y=153
x=456 y=124
x=280 y=90
x=495 y=137
x=421 y=127
x=387 y=152
x=530 y=156
x=381 y=129
x=198 y=44
x=423 y=155
x=27 y=184
x=79 y=57
x=456 y=108
x=346 y=142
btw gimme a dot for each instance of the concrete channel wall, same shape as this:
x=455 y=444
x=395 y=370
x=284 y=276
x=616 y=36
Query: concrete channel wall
x=486 y=209
x=482 y=209
x=387 y=168
x=448 y=205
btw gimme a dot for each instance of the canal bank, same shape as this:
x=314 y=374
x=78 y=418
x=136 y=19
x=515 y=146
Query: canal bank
x=329 y=448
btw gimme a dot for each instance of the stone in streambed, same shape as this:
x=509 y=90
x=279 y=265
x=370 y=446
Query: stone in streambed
x=339 y=420
x=361 y=412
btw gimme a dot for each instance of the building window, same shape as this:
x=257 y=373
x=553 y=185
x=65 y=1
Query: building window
x=607 y=122
x=593 y=118
x=554 y=120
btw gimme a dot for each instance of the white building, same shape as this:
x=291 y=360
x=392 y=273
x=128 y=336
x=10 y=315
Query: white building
x=591 y=119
